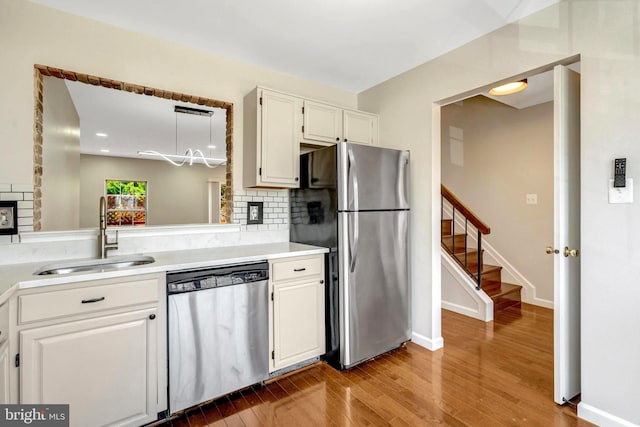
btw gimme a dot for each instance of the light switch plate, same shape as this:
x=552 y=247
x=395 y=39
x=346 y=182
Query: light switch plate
x=8 y=217
x=532 y=199
x=621 y=194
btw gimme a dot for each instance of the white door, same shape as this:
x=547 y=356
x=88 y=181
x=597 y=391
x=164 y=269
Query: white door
x=104 y=368
x=567 y=234
x=281 y=134
x=322 y=122
x=359 y=127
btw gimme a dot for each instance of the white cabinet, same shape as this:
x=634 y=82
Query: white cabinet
x=297 y=310
x=98 y=346
x=272 y=135
x=104 y=368
x=329 y=124
x=5 y=361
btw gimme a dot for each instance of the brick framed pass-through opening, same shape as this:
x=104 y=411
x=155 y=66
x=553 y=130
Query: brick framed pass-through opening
x=42 y=70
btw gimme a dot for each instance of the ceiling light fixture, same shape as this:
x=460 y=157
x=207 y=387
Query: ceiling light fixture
x=104 y=150
x=190 y=156
x=101 y=134
x=509 y=88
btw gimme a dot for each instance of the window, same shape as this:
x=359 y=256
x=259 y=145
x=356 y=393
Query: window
x=126 y=202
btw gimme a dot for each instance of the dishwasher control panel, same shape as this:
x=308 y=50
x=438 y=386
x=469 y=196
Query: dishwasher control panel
x=196 y=280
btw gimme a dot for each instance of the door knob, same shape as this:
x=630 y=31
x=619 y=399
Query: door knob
x=571 y=252
x=551 y=251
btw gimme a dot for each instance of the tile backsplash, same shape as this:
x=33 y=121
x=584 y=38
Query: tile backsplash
x=275 y=209
x=23 y=194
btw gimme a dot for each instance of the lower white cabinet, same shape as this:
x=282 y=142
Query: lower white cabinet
x=4 y=373
x=101 y=349
x=297 y=310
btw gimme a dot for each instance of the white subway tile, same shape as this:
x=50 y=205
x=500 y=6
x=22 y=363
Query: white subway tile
x=268 y=221
x=11 y=196
x=263 y=227
x=5 y=188
x=21 y=188
x=251 y=193
x=252 y=227
x=283 y=226
x=28 y=196
x=25 y=221
x=274 y=226
x=25 y=228
x=25 y=205
x=25 y=213
x=15 y=238
x=278 y=221
x=283 y=205
x=5 y=240
x=239 y=193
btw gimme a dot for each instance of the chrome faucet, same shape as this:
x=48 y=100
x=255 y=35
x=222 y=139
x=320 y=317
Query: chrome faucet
x=103 y=241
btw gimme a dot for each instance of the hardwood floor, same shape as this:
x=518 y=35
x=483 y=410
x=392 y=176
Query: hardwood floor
x=488 y=374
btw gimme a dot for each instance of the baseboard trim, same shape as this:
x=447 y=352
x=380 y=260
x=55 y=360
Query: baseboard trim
x=600 y=417
x=460 y=309
x=428 y=343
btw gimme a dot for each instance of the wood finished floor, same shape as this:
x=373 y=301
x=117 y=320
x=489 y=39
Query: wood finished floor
x=488 y=374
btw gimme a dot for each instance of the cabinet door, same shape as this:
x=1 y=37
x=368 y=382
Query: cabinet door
x=4 y=373
x=322 y=122
x=298 y=322
x=281 y=133
x=361 y=128
x=104 y=368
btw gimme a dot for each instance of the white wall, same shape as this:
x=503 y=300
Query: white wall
x=492 y=156
x=175 y=195
x=605 y=33
x=32 y=34
x=60 y=158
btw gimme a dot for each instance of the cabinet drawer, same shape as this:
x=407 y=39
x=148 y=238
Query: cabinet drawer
x=294 y=268
x=49 y=305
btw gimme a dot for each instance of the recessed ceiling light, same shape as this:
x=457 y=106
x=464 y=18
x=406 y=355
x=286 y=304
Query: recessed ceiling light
x=101 y=134
x=509 y=88
x=211 y=146
x=104 y=150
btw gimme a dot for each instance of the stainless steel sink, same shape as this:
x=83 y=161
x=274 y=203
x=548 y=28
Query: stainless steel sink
x=89 y=265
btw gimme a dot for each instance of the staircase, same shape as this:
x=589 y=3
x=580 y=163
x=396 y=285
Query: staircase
x=460 y=247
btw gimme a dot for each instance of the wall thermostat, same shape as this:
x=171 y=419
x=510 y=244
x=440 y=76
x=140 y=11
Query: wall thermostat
x=8 y=217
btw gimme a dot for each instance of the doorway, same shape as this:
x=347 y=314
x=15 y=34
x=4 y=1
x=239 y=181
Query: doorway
x=563 y=216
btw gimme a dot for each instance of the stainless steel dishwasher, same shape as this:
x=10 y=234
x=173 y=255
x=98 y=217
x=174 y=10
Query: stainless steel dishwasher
x=218 y=332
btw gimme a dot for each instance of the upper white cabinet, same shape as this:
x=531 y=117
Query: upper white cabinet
x=329 y=124
x=276 y=123
x=322 y=122
x=272 y=139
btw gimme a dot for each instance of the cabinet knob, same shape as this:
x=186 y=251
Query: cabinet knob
x=338 y=138
x=152 y=316
x=345 y=140
x=296 y=178
x=322 y=282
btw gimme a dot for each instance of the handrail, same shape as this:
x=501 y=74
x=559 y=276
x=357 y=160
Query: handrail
x=465 y=211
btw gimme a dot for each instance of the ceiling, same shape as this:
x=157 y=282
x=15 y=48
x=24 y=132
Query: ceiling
x=135 y=123
x=349 y=44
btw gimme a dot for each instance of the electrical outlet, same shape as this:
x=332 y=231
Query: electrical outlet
x=8 y=221
x=532 y=199
x=621 y=194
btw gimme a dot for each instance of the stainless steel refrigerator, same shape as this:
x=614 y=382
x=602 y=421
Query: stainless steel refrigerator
x=353 y=199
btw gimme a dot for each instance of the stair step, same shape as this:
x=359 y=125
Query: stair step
x=490 y=273
x=507 y=295
x=471 y=257
x=446 y=227
x=459 y=242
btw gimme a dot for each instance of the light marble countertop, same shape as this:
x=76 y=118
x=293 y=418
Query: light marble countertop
x=20 y=276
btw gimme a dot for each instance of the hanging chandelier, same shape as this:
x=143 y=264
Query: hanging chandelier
x=190 y=156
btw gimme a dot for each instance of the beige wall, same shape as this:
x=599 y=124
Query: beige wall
x=30 y=34
x=61 y=158
x=175 y=195
x=504 y=154
x=605 y=33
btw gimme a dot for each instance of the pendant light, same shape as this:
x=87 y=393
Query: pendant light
x=190 y=156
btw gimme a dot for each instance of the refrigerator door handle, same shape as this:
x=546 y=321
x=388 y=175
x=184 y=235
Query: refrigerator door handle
x=403 y=161
x=353 y=243
x=352 y=177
